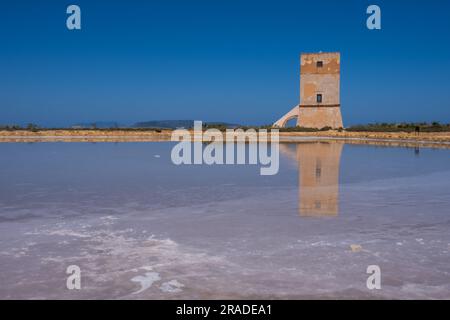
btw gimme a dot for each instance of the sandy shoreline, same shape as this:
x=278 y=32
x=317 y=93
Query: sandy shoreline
x=432 y=139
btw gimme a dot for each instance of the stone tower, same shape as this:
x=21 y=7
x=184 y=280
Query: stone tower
x=319 y=92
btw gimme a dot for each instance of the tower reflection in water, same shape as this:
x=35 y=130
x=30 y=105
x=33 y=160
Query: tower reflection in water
x=318 y=168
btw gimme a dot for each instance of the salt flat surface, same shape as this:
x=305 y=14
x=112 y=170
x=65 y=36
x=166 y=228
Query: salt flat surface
x=140 y=227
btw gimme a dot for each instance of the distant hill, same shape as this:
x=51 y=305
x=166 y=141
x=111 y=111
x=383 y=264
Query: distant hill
x=173 y=124
x=98 y=125
x=157 y=124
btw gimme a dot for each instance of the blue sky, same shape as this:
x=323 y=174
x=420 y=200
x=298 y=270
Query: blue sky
x=234 y=61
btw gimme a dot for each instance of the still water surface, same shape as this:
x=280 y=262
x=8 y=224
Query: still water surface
x=140 y=227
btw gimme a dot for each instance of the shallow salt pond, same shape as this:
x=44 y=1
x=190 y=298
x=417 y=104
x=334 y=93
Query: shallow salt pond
x=140 y=227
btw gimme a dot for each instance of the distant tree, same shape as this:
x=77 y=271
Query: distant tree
x=32 y=127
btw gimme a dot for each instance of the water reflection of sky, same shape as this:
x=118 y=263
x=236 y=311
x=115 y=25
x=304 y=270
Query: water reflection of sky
x=123 y=210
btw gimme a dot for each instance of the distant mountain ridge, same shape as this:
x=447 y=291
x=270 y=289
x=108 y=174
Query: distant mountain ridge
x=98 y=124
x=173 y=124
x=157 y=124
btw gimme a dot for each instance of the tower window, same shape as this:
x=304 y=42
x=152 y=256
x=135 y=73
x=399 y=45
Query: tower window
x=319 y=98
x=319 y=64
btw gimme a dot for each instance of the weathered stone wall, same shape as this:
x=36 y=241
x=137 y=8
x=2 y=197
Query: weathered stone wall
x=324 y=80
x=325 y=84
x=331 y=63
x=319 y=117
x=315 y=80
